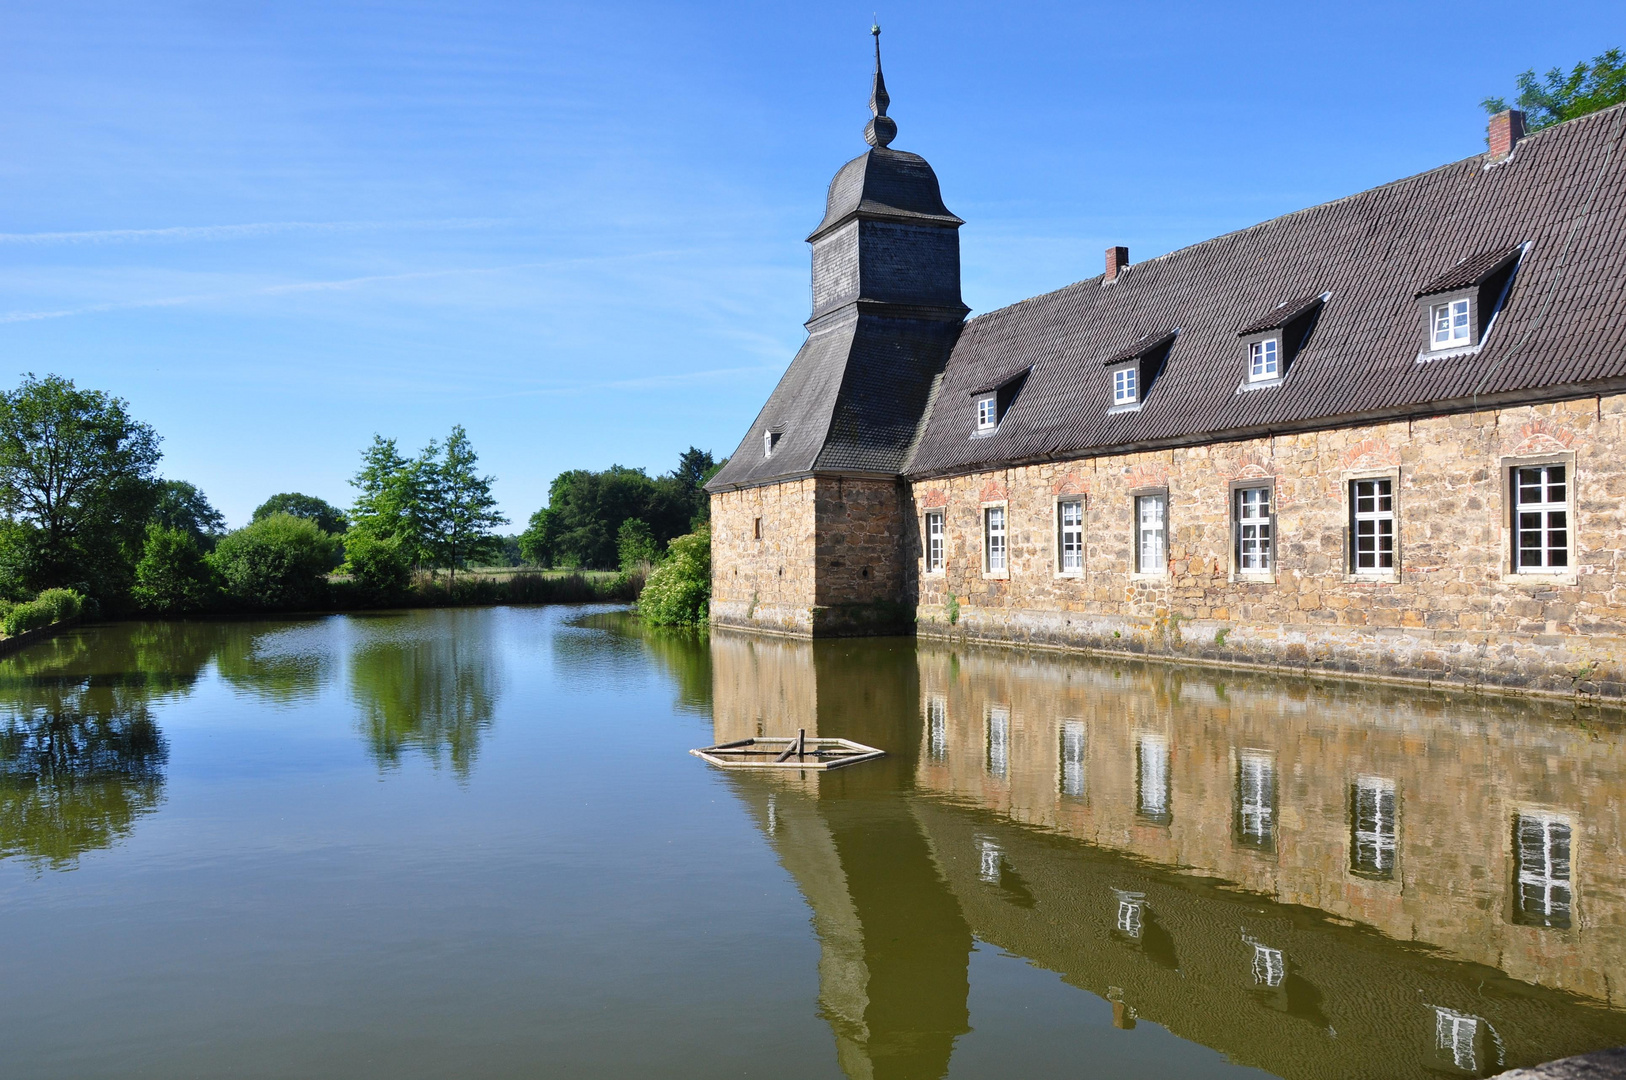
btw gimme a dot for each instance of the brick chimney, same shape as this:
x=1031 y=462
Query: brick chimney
x=1506 y=129
x=1117 y=259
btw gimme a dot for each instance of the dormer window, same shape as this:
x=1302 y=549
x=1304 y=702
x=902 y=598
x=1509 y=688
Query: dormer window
x=987 y=413
x=1460 y=305
x=1274 y=339
x=770 y=442
x=1265 y=360
x=1450 y=322
x=1125 y=385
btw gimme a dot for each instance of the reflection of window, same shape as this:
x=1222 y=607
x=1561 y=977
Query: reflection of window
x=1072 y=758
x=999 y=741
x=1542 y=895
x=1131 y=913
x=773 y=816
x=934 y=541
x=937 y=728
x=1152 y=778
x=1373 y=830
x=993 y=534
x=988 y=854
x=1460 y=1039
x=1070 y=536
x=1256 y=800
x=1541 y=520
x=1269 y=966
x=1151 y=533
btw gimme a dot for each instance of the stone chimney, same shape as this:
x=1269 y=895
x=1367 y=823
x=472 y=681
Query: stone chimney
x=1117 y=259
x=1506 y=129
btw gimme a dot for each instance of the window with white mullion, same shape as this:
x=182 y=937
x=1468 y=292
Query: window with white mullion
x=1264 y=360
x=1125 y=385
x=1541 y=518
x=1073 y=748
x=1374 y=828
x=1450 y=324
x=1256 y=800
x=1254 y=547
x=1543 y=895
x=934 y=541
x=1151 y=533
x=999 y=741
x=1070 y=536
x=1152 y=795
x=937 y=728
x=995 y=550
x=1372 y=513
x=987 y=412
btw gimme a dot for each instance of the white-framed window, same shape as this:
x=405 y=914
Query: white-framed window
x=1151 y=534
x=999 y=741
x=987 y=412
x=1070 y=536
x=1542 y=892
x=1541 y=518
x=1073 y=748
x=1254 y=546
x=1448 y=324
x=937 y=728
x=994 y=546
x=1374 y=828
x=934 y=541
x=1459 y=1039
x=1152 y=796
x=1126 y=385
x=1264 y=360
x=1256 y=800
x=770 y=442
x=1372 y=525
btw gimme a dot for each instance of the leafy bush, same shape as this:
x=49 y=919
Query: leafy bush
x=50 y=606
x=380 y=572
x=636 y=546
x=174 y=577
x=680 y=588
x=277 y=563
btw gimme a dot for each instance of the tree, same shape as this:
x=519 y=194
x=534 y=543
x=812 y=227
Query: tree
x=679 y=591
x=174 y=577
x=278 y=563
x=1588 y=87
x=460 y=512
x=582 y=522
x=635 y=545
x=380 y=574
x=77 y=484
x=183 y=506
x=328 y=518
x=391 y=503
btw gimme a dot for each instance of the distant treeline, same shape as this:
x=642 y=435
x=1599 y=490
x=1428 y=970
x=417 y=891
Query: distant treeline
x=82 y=507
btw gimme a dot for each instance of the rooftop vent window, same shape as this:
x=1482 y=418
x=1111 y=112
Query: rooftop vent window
x=770 y=442
x=1274 y=340
x=993 y=400
x=1460 y=305
x=1132 y=370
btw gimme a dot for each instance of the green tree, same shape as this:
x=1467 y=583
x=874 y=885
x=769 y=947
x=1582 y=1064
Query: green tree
x=636 y=546
x=277 y=563
x=582 y=520
x=460 y=513
x=391 y=503
x=174 y=577
x=77 y=486
x=182 y=506
x=379 y=572
x=679 y=591
x=1589 y=86
x=328 y=518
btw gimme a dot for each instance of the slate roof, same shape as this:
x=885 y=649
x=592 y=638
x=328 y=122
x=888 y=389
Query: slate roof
x=1561 y=330
x=887 y=185
x=1470 y=271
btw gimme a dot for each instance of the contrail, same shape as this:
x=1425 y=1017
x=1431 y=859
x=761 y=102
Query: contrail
x=239 y=232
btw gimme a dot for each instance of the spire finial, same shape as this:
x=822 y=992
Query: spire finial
x=882 y=129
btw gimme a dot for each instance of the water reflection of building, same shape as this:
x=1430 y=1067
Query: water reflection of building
x=1329 y=830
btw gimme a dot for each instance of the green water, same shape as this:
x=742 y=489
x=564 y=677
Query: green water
x=472 y=844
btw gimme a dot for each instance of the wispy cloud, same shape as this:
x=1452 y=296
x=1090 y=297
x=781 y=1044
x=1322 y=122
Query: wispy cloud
x=206 y=233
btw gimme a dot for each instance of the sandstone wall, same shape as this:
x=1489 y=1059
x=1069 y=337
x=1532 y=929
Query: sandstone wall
x=1454 y=612
x=764 y=582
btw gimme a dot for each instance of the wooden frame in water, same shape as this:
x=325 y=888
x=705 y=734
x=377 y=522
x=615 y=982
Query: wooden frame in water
x=787 y=752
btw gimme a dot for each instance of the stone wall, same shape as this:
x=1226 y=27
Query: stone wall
x=1453 y=612
x=829 y=559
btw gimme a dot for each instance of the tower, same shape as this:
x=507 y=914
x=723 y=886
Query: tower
x=810 y=517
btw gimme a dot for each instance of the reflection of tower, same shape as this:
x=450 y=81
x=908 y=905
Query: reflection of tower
x=894 y=947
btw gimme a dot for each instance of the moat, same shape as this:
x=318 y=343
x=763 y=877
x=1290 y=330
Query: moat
x=471 y=843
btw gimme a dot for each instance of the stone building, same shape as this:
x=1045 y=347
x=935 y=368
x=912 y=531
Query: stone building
x=1381 y=435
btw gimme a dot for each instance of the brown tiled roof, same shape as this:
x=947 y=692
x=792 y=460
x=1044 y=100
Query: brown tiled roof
x=1280 y=315
x=1562 y=329
x=1470 y=271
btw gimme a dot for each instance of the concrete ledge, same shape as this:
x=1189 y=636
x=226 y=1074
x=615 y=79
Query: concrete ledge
x=33 y=637
x=1603 y=1065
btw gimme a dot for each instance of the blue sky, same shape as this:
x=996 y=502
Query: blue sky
x=277 y=228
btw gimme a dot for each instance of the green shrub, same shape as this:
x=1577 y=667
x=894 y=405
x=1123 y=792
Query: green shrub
x=380 y=573
x=174 y=577
x=679 y=590
x=50 y=606
x=278 y=563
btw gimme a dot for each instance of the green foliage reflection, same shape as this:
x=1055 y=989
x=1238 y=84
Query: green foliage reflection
x=432 y=694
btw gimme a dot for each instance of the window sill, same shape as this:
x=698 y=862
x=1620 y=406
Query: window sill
x=985 y=433
x=1148 y=575
x=1253 y=579
x=1542 y=580
x=1068 y=575
x=1260 y=384
x=996 y=575
x=1385 y=578
x=1133 y=406
x=935 y=573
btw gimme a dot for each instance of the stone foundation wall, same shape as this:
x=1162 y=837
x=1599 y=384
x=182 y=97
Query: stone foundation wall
x=764 y=582
x=1453 y=612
